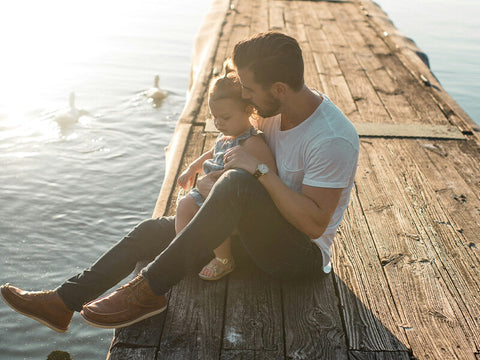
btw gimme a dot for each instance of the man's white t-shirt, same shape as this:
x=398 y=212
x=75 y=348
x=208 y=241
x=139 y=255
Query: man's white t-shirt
x=322 y=151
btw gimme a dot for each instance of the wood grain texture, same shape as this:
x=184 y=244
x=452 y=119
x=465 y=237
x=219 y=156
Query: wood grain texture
x=194 y=320
x=431 y=315
x=136 y=353
x=311 y=311
x=370 y=313
x=253 y=315
x=381 y=355
x=416 y=131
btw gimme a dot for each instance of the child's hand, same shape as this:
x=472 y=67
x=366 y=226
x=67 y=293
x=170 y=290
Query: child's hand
x=187 y=178
x=205 y=183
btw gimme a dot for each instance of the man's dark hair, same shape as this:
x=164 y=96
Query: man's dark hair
x=272 y=57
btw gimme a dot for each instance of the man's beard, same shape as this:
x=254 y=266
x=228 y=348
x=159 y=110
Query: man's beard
x=271 y=108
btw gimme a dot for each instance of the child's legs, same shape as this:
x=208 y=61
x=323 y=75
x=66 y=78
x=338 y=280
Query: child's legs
x=187 y=207
x=224 y=251
x=186 y=210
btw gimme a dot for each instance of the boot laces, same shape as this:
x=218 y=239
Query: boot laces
x=132 y=284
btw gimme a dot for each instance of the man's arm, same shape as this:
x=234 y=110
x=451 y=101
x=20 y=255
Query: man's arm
x=258 y=148
x=309 y=211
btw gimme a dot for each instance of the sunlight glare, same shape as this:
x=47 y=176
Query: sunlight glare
x=44 y=44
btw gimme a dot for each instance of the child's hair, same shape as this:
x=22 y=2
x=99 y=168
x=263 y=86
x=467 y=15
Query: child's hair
x=227 y=86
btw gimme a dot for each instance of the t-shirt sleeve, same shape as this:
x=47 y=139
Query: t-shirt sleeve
x=330 y=164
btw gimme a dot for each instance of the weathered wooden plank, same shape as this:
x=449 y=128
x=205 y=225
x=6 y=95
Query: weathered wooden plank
x=145 y=333
x=370 y=315
x=414 y=90
x=243 y=12
x=389 y=92
x=409 y=131
x=296 y=28
x=194 y=320
x=311 y=313
x=249 y=355
x=223 y=51
x=465 y=161
x=293 y=26
x=440 y=212
x=434 y=322
x=329 y=72
x=259 y=23
x=241 y=26
x=275 y=16
x=366 y=98
x=136 y=353
x=253 y=314
x=382 y=355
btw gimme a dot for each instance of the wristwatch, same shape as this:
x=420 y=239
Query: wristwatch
x=262 y=169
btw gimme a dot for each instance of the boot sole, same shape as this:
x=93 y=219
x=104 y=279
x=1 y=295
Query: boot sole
x=41 y=321
x=123 y=324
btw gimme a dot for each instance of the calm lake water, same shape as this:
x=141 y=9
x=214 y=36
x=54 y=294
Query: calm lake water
x=70 y=191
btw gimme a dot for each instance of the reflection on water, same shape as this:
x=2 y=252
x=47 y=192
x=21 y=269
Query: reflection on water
x=77 y=173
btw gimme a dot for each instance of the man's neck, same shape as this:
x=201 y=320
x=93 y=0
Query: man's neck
x=299 y=107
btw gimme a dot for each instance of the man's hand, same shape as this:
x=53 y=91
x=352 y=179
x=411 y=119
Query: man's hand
x=187 y=178
x=205 y=183
x=239 y=158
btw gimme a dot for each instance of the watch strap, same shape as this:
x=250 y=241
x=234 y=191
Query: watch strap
x=257 y=174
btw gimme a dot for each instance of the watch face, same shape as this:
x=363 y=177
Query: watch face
x=263 y=168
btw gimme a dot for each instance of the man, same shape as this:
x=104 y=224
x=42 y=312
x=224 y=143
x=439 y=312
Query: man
x=286 y=222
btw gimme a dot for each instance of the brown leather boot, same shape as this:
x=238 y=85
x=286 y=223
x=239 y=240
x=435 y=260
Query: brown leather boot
x=127 y=305
x=44 y=306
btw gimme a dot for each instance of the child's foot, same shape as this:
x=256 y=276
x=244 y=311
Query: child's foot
x=217 y=269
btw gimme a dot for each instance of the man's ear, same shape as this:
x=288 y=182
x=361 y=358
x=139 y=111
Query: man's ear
x=279 y=89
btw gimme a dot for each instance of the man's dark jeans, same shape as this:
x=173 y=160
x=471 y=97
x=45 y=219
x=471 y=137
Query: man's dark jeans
x=237 y=201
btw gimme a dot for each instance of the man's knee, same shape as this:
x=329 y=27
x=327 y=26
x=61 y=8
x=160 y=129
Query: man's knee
x=236 y=178
x=237 y=184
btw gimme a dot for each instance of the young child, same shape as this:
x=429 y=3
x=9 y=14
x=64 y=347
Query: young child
x=231 y=114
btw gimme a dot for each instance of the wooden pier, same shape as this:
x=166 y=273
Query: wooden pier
x=406 y=272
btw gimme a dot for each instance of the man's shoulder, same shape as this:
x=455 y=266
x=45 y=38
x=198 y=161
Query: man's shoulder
x=332 y=123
